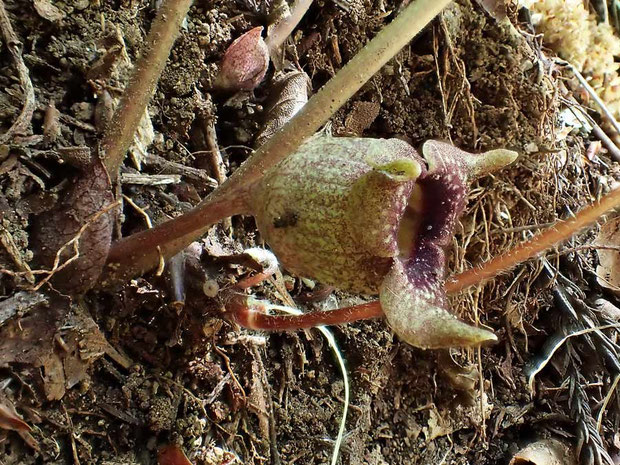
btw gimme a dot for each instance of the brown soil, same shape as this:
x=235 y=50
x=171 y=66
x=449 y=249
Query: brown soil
x=153 y=374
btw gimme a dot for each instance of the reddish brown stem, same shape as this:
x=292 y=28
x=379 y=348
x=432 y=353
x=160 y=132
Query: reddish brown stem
x=254 y=319
x=529 y=249
x=137 y=253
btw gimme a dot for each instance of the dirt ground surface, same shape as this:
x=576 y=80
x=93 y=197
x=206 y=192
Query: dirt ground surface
x=111 y=377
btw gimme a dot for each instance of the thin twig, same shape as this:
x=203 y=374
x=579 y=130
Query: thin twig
x=596 y=129
x=543 y=362
x=588 y=88
x=71 y=432
x=610 y=393
x=6 y=239
x=120 y=131
x=217 y=162
x=150 y=179
x=20 y=304
x=215 y=156
x=14 y=45
x=161 y=263
x=171 y=167
x=613 y=149
x=331 y=341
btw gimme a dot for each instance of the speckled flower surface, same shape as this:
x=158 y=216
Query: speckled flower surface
x=372 y=216
x=412 y=294
x=331 y=210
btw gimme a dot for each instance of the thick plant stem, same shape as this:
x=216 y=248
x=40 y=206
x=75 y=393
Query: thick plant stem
x=128 y=255
x=281 y=30
x=120 y=132
x=561 y=231
x=136 y=254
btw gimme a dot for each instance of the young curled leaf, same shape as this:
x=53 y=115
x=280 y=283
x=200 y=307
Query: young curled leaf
x=288 y=95
x=245 y=62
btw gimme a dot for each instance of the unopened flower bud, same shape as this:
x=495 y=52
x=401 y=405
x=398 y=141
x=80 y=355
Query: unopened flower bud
x=245 y=62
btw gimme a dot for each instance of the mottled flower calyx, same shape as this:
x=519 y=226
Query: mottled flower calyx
x=245 y=62
x=372 y=216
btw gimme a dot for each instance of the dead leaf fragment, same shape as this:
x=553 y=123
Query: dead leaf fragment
x=30 y=339
x=362 y=115
x=607 y=309
x=608 y=270
x=445 y=421
x=51 y=123
x=495 y=8
x=10 y=419
x=545 y=452
x=81 y=221
x=288 y=95
x=144 y=137
x=61 y=339
x=48 y=11
x=172 y=454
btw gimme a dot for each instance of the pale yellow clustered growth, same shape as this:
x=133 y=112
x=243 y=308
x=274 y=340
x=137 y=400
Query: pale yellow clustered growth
x=576 y=36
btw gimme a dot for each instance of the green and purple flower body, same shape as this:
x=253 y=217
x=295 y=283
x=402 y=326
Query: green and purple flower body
x=372 y=216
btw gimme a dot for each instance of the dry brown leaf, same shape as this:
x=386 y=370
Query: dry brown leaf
x=47 y=10
x=608 y=271
x=444 y=421
x=53 y=377
x=30 y=340
x=288 y=95
x=545 y=452
x=87 y=203
x=9 y=418
x=83 y=343
x=436 y=426
x=63 y=340
x=172 y=454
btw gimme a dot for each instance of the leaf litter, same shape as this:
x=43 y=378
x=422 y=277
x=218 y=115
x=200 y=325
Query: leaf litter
x=486 y=69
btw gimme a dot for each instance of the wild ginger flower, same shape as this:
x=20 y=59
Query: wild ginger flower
x=372 y=216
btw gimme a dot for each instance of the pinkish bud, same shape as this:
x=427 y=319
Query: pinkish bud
x=245 y=62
